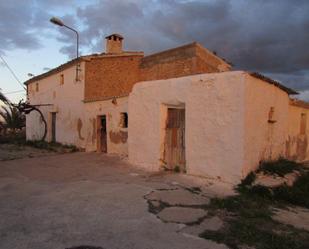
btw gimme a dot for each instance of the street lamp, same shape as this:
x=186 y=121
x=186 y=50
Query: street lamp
x=58 y=22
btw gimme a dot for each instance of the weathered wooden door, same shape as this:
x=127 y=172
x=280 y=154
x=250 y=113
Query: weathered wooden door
x=103 y=134
x=174 y=145
x=53 y=127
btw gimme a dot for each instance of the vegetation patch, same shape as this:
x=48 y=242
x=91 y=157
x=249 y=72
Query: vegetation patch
x=279 y=167
x=248 y=215
x=298 y=194
x=13 y=138
x=52 y=146
x=295 y=195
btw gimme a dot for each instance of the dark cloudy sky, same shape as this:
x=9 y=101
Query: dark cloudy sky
x=269 y=36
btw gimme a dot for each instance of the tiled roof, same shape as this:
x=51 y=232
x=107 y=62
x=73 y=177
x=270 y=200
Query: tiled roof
x=299 y=103
x=273 y=82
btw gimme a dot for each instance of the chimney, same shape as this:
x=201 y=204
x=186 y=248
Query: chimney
x=114 y=44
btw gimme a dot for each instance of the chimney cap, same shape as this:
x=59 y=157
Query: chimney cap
x=114 y=35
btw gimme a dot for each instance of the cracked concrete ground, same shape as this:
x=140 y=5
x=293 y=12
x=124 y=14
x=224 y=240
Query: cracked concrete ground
x=67 y=200
x=294 y=216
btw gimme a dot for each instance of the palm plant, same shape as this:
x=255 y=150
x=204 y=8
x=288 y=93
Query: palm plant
x=12 y=118
x=3 y=98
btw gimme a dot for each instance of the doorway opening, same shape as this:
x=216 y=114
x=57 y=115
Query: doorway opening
x=101 y=134
x=53 y=127
x=174 y=140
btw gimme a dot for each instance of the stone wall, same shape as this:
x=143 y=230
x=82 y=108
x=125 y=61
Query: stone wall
x=110 y=76
x=182 y=61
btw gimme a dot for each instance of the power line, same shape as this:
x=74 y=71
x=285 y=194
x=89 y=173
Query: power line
x=12 y=72
x=18 y=91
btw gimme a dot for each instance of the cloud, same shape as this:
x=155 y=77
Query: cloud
x=15 y=26
x=22 y=24
x=304 y=95
x=269 y=36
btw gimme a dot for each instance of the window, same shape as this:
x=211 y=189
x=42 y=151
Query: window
x=61 y=79
x=271 y=115
x=303 y=123
x=123 y=120
x=36 y=87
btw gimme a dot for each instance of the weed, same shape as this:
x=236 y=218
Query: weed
x=298 y=194
x=279 y=167
x=248 y=215
x=177 y=169
x=250 y=178
x=249 y=223
x=52 y=146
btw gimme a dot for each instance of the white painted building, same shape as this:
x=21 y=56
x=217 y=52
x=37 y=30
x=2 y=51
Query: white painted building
x=198 y=117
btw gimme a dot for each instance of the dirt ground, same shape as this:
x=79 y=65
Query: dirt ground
x=13 y=151
x=67 y=200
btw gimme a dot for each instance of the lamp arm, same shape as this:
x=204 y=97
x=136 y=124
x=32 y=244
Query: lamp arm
x=77 y=37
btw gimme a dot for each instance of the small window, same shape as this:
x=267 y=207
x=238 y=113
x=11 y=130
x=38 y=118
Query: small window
x=123 y=120
x=61 y=79
x=36 y=87
x=303 y=123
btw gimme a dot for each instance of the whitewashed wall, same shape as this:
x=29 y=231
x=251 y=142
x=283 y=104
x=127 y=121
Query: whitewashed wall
x=214 y=106
x=76 y=120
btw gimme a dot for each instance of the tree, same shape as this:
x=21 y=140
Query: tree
x=26 y=108
x=14 y=115
x=12 y=118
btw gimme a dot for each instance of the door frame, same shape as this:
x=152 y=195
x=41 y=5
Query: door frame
x=163 y=123
x=50 y=129
x=99 y=139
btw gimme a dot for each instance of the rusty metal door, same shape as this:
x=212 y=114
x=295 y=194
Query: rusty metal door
x=103 y=134
x=174 y=145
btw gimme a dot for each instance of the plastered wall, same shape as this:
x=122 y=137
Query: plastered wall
x=296 y=146
x=64 y=99
x=264 y=138
x=214 y=123
x=76 y=120
x=233 y=122
x=271 y=139
x=116 y=135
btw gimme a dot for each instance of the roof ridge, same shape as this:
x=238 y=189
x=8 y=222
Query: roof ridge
x=273 y=82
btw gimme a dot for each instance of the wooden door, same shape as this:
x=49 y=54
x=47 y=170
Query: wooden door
x=53 y=127
x=174 y=146
x=103 y=135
